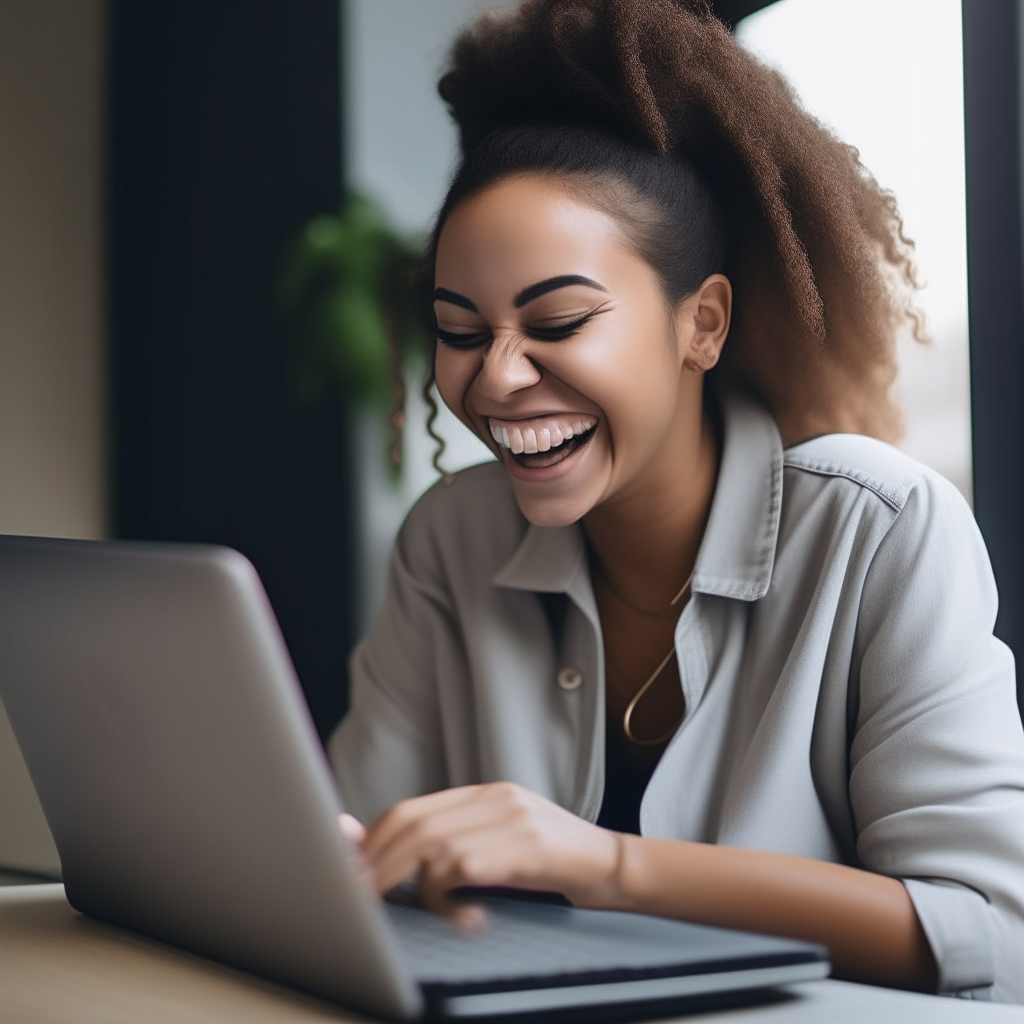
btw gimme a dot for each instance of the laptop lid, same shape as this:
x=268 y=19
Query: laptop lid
x=223 y=836
x=26 y=845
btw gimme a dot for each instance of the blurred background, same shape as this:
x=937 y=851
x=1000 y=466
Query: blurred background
x=184 y=355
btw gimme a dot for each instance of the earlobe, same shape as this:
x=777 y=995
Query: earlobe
x=707 y=314
x=701 y=358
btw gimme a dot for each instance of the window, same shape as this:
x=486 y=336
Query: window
x=887 y=75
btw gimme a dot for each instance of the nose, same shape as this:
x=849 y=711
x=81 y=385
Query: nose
x=506 y=367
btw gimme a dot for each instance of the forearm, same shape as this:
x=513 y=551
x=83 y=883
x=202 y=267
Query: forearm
x=867 y=921
x=502 y=834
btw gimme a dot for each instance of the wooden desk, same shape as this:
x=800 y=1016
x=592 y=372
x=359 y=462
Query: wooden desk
x=57 y=966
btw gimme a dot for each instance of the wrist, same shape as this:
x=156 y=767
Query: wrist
x=650 y=874
x=594 y=883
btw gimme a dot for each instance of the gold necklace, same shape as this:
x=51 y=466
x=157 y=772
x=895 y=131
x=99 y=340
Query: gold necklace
x=635 y=607
x=627 y=715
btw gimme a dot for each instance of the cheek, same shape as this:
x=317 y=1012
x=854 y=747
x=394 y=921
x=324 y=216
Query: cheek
x=632 y=376
x=454 y=372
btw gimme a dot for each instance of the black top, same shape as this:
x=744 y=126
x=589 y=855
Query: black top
x=627 y=768
x=625 y=779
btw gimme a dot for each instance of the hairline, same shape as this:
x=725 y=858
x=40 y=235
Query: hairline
x=592 y=189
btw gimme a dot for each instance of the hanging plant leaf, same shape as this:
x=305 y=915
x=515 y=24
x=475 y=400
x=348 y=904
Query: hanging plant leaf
x=348 y=289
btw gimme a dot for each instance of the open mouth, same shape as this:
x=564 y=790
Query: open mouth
x=538 y=443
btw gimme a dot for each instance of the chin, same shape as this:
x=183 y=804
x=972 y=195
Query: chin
x=550 y=510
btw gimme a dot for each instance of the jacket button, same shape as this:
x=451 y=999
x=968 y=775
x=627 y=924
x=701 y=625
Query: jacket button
x=570 y=678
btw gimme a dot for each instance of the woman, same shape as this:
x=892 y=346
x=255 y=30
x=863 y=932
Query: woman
x=698 y=644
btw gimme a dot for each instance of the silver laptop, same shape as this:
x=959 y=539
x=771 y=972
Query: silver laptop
x=189 y=797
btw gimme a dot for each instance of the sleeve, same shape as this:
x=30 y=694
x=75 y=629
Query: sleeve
x=389 y=746
x=937 y=752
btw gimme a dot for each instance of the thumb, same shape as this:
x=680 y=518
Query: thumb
x=352 y=829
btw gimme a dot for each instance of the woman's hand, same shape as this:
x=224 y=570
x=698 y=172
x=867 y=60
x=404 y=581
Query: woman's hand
x=353 y=830
x=502 y=834
x=493 y=834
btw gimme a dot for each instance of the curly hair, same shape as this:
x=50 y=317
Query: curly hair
x=822 y=272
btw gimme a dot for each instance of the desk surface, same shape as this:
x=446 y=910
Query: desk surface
x=58 y=966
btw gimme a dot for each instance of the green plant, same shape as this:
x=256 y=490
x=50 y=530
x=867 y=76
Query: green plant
x=349 y=291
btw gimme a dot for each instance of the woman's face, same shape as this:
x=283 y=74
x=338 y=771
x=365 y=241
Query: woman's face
x=557 y=347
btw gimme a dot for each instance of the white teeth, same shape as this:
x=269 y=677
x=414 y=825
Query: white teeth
x=532 y=436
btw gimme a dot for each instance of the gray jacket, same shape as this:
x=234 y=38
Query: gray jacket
x=846 y=699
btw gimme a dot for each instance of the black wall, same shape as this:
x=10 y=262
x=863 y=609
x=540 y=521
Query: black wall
x=224 y=138
x=996 y=282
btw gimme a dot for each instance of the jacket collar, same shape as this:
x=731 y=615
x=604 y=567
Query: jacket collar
x=737 y=553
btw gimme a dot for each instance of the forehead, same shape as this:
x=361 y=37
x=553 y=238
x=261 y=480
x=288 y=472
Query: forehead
x=527 y=228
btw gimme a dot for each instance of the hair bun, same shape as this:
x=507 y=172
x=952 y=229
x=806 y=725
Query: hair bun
x=609 y=64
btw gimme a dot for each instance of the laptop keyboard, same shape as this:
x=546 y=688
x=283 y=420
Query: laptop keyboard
x=534 y=940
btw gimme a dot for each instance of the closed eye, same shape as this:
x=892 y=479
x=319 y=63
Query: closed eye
x=459 y=339
x=562 y=331
x=559 y=332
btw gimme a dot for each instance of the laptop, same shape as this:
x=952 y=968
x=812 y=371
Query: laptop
x=190 y=799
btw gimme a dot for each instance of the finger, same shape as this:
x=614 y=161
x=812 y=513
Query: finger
x=432 y=839
x=494 y=857
x=467 y=917
x=401 y=816
x=352 y=829
x=425 y=816
x=405 y=858
x=422 y=829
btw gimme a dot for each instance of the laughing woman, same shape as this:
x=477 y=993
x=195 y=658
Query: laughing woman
x=699 y=644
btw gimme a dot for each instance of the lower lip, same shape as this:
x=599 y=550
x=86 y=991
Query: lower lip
x=541 y=474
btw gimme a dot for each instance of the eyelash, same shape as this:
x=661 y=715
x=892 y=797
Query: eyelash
x=559 y=333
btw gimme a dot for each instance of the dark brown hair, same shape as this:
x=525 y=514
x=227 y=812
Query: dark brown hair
x=823 y=274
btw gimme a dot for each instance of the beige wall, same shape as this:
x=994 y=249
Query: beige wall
x=52 y=430
x=52 y=478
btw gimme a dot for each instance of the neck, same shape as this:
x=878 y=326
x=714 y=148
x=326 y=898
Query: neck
x=646 y=540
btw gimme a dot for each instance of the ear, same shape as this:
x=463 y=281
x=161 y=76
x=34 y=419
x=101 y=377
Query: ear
x=702 y=323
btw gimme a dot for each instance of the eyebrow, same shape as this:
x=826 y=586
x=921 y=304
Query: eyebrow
x=443 y=295
x=528 y=294
x=535 y=291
